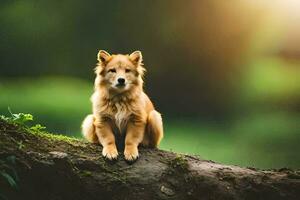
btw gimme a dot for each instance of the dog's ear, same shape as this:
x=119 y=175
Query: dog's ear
x=136 y=57
x=103 y=56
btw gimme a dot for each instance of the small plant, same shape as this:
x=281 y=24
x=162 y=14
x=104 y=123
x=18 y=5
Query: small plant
x=20 y=145
x=22 y=119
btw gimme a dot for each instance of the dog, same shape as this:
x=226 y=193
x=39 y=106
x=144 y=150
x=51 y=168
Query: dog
x=121 y=107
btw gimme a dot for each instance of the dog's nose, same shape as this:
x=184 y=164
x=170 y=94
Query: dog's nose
x=121 y=81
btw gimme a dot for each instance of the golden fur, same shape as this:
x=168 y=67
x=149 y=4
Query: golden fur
x=122 y=106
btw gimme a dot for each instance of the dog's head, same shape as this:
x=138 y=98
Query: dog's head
x=119 y=73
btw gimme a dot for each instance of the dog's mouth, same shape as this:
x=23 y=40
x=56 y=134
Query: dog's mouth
x=120 y=85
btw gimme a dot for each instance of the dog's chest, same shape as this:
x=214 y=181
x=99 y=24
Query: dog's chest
x=121 y=115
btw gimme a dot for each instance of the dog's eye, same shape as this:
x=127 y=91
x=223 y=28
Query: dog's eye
x=127 y=70
x=112 y=70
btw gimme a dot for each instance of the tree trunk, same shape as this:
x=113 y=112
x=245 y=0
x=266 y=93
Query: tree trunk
x=56 y=167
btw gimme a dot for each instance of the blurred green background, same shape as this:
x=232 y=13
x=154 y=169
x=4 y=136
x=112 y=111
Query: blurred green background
x=225 y=75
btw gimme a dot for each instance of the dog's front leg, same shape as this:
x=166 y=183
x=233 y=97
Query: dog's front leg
x=107 y=140
x=134 y=136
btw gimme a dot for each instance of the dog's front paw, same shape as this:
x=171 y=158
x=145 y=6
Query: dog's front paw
x=131 y=153
x=110 y=152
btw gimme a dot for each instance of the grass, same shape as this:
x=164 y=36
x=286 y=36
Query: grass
x=260 y=139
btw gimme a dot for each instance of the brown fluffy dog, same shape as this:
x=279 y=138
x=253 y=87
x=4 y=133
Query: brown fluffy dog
x=120 y=106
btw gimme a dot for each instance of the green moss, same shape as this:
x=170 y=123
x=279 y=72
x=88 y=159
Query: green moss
x=179 y=162
x=85 y=173
x=54 y=137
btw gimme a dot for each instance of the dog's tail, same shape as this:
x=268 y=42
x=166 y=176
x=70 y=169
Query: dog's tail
x=88 y=129
x=154 y=129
